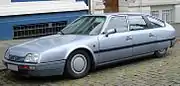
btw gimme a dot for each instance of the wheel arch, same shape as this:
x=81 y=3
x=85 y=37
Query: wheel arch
x=88 y=51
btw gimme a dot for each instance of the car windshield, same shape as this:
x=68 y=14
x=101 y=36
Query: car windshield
x=86 y=25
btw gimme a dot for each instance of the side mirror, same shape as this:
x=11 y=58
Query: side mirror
x=110 y=31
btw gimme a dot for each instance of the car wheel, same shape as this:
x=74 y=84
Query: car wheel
x=78 y=64
x=161 y=53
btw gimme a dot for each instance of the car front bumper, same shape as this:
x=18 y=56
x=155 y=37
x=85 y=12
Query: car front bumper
x=173 y=42
x=40 y=69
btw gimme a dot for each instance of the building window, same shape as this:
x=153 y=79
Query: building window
x=167 y=15
x=38 y=29
x=155 y=13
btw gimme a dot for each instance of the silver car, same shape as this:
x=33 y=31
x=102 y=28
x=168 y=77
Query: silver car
x=91 y=41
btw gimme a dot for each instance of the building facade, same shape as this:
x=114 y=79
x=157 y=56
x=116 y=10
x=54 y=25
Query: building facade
x=36 y=18
x=167 y=10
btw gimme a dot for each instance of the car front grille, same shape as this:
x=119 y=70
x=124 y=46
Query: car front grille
x=16 y=58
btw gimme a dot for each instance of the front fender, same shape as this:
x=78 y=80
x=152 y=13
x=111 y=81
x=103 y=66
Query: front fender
x=55 y=54
x=70 y=50
x=62 y=53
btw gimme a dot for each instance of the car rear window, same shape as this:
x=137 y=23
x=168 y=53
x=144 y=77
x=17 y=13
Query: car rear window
x=155 y=23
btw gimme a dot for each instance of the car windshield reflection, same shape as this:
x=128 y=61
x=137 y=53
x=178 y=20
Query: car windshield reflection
x=86 y=25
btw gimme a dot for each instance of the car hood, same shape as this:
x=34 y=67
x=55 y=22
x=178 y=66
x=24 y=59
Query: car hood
x=44 y=43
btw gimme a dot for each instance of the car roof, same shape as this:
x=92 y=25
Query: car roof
x=120 y=13
x=126 y=13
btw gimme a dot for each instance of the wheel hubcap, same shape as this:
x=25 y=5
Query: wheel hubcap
x=162 y=51
x=78 y=63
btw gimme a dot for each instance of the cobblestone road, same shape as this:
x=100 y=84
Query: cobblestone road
x=147 y=71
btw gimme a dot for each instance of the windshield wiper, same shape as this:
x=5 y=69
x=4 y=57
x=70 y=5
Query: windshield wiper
x=61 y=32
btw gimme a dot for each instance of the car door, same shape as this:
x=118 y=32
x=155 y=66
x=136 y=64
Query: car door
x=116 y=45
x=143 y=36
x=160 y=31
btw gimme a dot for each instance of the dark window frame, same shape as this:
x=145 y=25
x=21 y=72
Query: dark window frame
x=150 y=23
x=126 y=18
x=145 y=20
x=70 y=25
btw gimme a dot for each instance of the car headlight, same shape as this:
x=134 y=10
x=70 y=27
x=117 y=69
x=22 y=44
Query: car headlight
x=32 y=57
x=6 y=55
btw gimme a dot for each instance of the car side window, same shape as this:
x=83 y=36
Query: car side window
x=119 y=23
x=155 y=23
x=137 y=23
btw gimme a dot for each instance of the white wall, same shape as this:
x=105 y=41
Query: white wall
x=157 y=5
x=153 y=2
x=177 y=13
x=123 y=6
x=97 y=7
x=145 y=9
x=43 y=7
x=133 y=6
x=4 y=2
x=65 y=0
x=160 y=8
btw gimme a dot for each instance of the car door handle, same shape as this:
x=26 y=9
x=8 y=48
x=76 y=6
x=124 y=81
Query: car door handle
x=151 y=35
x=129 y=38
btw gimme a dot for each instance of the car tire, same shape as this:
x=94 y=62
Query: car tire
x=161 y=53
x=77 y=65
